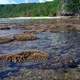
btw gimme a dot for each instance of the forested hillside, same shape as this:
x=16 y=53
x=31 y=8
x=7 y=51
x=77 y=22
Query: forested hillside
x=30 y=9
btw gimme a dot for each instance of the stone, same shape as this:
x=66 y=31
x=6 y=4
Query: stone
x=4 y=27
x=5 y=40
x=25 y=37
x=25 y=55
x=38 y=56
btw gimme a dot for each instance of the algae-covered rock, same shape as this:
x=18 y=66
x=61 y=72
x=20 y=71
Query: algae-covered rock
x=5 y=40
x=25 y=36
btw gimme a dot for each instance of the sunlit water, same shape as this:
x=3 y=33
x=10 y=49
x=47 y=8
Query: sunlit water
x=55 y=44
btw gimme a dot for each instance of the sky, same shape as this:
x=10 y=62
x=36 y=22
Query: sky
x=21 y=1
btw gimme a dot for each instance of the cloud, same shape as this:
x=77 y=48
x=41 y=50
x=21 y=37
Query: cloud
x=28 y=1
x=21 y=1
x=41 y=0
x=4 y=2
x=7 y=2
x=33 y=1
x=12 y=2
x=49 y=0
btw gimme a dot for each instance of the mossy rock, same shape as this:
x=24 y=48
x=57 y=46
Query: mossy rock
x=25 y=37
x=5 y=40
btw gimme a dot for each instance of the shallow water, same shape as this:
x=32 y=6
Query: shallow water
x=58 y=44
x=10 y=32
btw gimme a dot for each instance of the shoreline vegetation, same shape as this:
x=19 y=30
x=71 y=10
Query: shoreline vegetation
x=30 y=9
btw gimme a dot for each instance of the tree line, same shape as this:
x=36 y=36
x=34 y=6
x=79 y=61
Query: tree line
x=30 y=9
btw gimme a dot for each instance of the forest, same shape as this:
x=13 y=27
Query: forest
x=30 y=9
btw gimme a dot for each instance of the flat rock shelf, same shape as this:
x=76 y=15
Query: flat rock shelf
x=40 y=50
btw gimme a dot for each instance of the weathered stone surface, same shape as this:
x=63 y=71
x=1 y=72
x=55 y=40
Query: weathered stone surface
x=5 y=40
x=37 y=56
x=26 y=55
x=25 y=36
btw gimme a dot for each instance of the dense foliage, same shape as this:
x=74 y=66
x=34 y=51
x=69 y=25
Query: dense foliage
x=73 y=6
x=30 y=9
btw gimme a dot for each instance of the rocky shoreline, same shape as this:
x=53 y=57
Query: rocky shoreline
x=50 y=46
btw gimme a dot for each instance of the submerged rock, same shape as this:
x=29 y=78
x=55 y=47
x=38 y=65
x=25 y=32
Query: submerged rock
x=5 y=40
x=25 y=36
x=25 y=55
x=4 y=27
x=38 y=56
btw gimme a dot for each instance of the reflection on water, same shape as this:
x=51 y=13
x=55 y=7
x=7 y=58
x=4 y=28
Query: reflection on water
x=56 y=44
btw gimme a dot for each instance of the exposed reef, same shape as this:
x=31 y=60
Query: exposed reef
x=33 y=55
x=18 y=37
x=25 y=37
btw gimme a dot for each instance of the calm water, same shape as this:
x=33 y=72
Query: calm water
x=58 y=45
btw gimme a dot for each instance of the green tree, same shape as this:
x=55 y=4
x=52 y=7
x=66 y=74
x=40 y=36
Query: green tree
x=73 y=6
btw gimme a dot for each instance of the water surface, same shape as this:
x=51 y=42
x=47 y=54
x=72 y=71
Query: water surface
x=58 y=44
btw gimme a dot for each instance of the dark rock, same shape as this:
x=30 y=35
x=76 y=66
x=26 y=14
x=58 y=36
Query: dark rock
x=4 y=28
x=5 y=40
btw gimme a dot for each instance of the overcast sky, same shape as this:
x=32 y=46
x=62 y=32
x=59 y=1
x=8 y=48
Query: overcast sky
x=21 y=1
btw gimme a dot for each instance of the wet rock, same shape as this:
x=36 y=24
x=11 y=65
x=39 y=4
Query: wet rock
x=29 y=27
x=5 y=40
x=4 y=27
x=70 y=28
x=25 y=37
x=38 y=56
x=25 y=55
